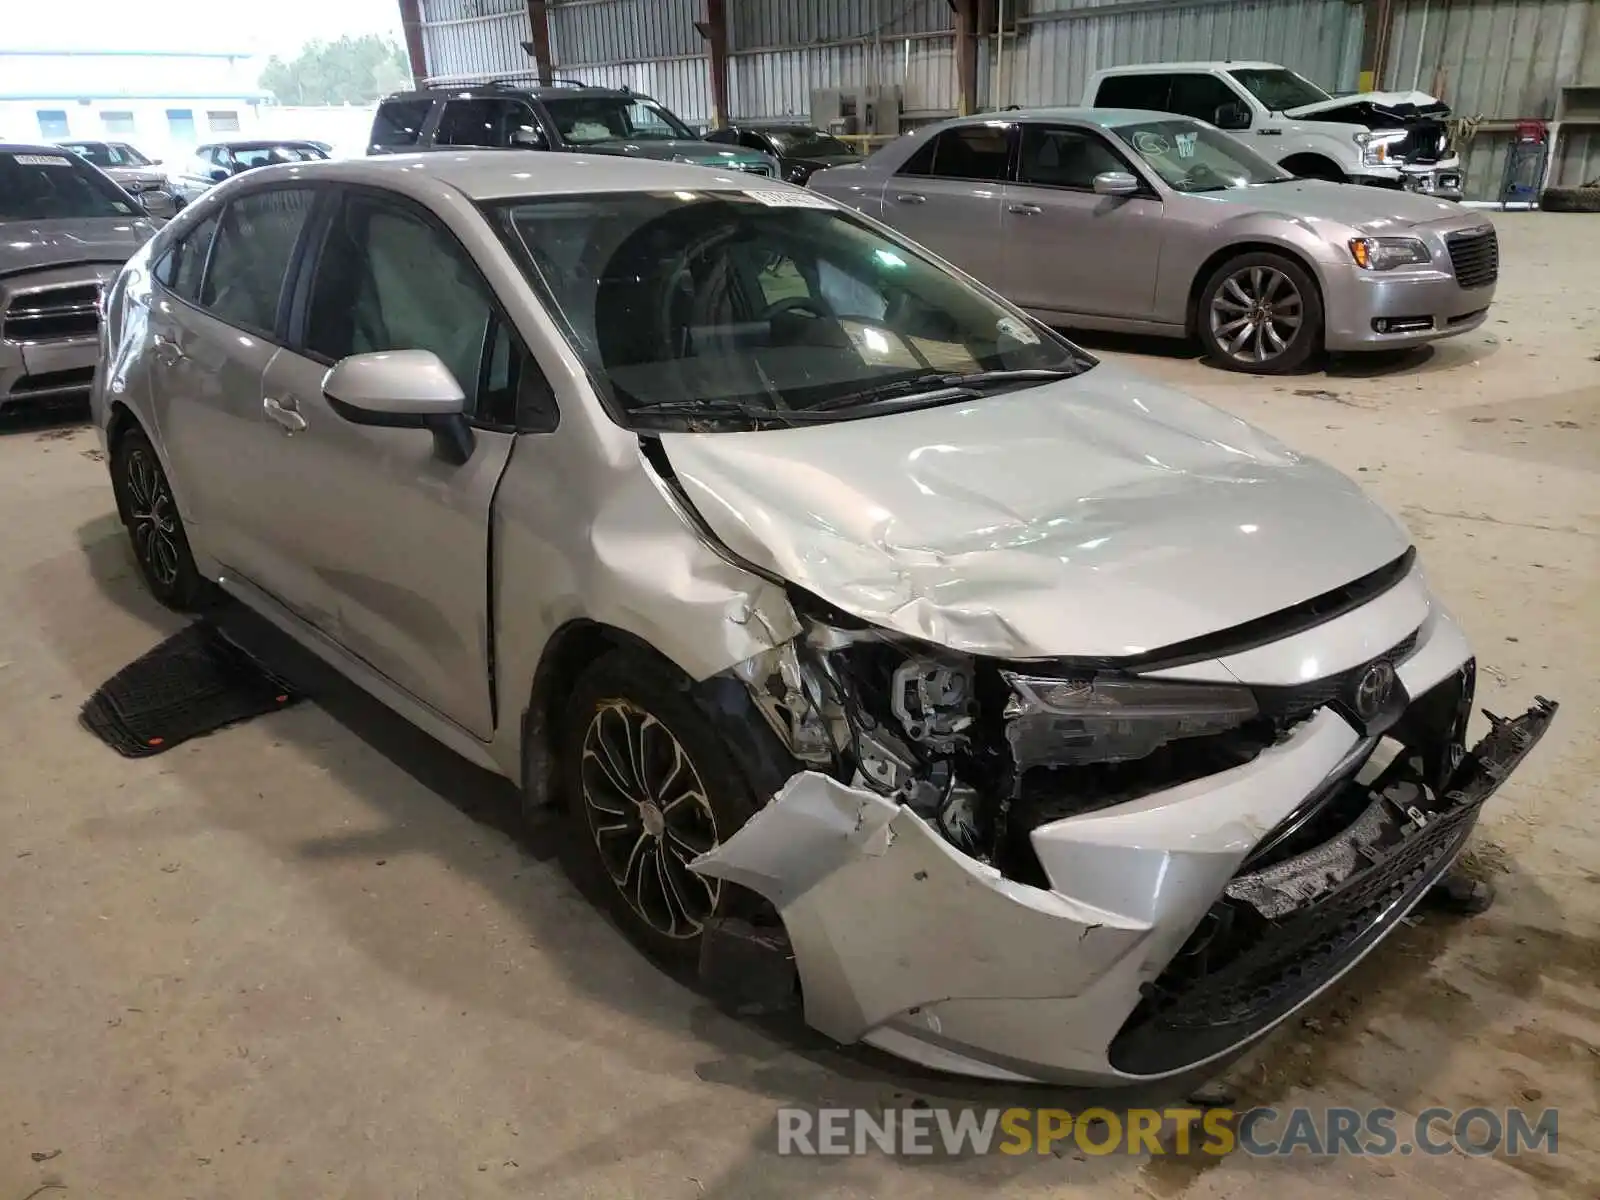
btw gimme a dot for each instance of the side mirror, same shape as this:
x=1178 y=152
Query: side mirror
x=1115 y=183
x=146 y=199
x=528 y=139
x=402 y=389
x=1231 y=116
x=218 y=175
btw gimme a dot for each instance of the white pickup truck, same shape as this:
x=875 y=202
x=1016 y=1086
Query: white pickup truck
x=1390 y=139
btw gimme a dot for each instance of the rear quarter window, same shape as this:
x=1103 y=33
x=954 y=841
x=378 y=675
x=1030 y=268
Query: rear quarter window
x=399 y=122
x=1135 y=91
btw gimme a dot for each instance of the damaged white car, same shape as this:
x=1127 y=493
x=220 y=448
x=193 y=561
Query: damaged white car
x=1011 y=713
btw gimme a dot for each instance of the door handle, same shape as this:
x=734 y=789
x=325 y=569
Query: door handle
x=168 y=351
x=284 y=413
x=1026 y=210
x=910 y=198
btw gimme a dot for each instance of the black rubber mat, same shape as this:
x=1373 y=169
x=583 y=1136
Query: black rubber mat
x=194 y=683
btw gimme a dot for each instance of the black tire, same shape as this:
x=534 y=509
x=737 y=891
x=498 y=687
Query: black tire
x=1221 y=304
x=1576 y=199
x=1314 y=168
x=160 y=546
x=646 y=854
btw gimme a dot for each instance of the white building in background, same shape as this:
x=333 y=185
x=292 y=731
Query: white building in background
x=163 y=102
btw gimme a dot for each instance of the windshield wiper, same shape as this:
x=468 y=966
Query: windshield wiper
x=925 y=389
x=722 y=410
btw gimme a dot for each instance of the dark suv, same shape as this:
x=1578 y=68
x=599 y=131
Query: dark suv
x=566 y=117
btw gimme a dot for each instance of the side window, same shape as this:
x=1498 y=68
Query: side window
x=390 y=279
x=400 y=122
x=254 y=242
x=1065 y=157
x=752 y=141
x=976 y=152
x=726 y=137
x=191 y=260
x=479 y=122
x=1145 y=91
x=1200 y=96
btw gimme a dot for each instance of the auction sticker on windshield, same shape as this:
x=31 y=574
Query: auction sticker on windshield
x=797 y=198
x=41 y=160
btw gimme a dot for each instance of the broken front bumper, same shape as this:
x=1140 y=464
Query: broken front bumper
x=903 y=942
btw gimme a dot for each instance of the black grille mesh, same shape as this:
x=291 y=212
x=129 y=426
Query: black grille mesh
x=1475 y=257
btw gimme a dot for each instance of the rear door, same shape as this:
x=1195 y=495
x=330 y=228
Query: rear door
x=397 y=538
x=948 y=195
x=1068 y=249
x=215 y=331
x=484 y=122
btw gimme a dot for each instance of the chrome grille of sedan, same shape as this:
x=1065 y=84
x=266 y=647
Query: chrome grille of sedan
x=1475 y=257
x=52 y=314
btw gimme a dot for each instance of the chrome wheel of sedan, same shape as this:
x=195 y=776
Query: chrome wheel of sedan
x=650 y=817
x=152 y=519
x=1256 y=314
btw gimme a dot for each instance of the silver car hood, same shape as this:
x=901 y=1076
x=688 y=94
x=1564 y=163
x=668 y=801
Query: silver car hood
x=1366 y=208
x=28 y=245
x=1099 y=516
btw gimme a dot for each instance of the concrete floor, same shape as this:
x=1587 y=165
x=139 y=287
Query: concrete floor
x=305 y=958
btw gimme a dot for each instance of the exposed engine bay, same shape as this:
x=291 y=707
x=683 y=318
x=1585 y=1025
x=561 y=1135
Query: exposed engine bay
x=1424 y=119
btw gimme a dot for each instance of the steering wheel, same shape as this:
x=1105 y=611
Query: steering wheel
x=808 y=304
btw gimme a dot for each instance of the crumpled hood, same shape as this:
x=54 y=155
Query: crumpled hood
x=28 y=245
x=1399 y=101
x=1373 y=210
x=1098 y=516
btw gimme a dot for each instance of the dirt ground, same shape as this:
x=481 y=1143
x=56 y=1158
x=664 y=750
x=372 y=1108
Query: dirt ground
x=306 y=957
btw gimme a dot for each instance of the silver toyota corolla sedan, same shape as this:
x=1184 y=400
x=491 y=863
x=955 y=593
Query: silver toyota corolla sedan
x=1010 y=712
x=1152 y=223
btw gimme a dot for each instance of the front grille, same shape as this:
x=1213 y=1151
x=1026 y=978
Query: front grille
x=1292 y=703
x=52 y=314
x=1475 y=257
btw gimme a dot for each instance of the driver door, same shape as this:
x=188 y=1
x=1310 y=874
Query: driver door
x=1067 y=248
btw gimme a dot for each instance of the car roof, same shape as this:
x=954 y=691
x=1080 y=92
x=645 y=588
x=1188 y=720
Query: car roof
x=504 y=174
x=486 y=91
x=31 y=148
x=259 y=143
x=85 y=142
x=1103 y=118
x=1214 y=65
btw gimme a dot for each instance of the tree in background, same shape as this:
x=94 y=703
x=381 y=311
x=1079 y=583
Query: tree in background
x=352 y=70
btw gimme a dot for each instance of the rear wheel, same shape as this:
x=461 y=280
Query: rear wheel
x=144 y=499
x=649 y=788
x=1260 y=312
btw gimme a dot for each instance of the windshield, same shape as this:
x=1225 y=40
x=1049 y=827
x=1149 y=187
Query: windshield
x=807 y=143
x=1278 y=88
x=696 y=303
x=245 y=157
x=107 y=154
x=1192 y=157
x=583 y=119
x=46 y=187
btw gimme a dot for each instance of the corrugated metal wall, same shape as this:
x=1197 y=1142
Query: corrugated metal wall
x=619 y=31
x=772 y=84
x=769 y=24
x=475 y=37
x=1500 y=60
x=1057 y=52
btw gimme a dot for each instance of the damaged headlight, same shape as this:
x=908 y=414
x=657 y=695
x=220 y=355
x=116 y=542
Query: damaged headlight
x=1106 y=718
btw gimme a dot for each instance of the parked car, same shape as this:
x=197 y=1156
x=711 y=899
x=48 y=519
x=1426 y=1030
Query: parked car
x=212 y=163
x=1016 y=702
x=567 y=117
x=65 y=229
x=799 y=149
x=1112 y=219
x=135 y=174
x=1388 y=139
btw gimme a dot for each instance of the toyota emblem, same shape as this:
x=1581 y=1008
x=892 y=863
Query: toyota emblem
x=1374 y=690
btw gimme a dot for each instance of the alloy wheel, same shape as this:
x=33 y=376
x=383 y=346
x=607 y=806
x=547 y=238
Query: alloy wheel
x=650 y=817
x=152 y=517
x=1256 y=314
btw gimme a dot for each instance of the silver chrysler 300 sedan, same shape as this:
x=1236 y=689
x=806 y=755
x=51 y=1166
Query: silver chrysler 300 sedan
x=1039 y=721
x=1152 y=223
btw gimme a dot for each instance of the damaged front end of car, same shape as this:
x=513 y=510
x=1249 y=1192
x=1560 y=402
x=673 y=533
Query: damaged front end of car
x=1088 y=870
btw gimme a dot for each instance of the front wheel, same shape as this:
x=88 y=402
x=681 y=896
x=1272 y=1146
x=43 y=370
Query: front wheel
x=144 y=499
x=649 y=787
x=1260 y=312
